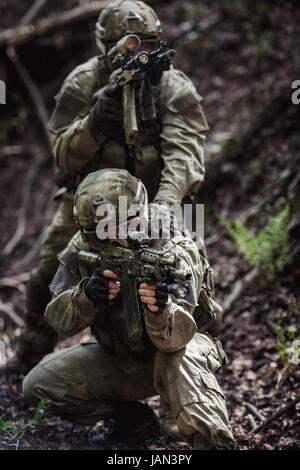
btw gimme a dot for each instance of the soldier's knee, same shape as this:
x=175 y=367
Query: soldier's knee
x=34 y=385
x=28 y=386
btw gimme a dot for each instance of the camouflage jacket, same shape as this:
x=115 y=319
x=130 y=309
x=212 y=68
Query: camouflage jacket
x=169 y=149
x=70 y=311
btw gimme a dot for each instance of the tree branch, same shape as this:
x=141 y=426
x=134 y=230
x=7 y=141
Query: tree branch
x=25 y=33
x=33 y=91
x=33 y=171
x=8 y=310
x=33 y=11
x=275 y=415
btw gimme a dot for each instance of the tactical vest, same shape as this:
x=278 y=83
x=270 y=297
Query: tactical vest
x=113 y=152
x=208 y=314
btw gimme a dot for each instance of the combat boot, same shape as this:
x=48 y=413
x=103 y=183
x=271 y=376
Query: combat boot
x=168 y=424
x=135 y=422
x=201 y=442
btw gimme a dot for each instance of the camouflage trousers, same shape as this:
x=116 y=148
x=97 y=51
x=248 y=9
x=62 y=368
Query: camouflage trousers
x=83 y=383
x=37 y=337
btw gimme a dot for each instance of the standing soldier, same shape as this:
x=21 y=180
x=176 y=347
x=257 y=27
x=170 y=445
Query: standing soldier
x=87 y=134
x=174 y=355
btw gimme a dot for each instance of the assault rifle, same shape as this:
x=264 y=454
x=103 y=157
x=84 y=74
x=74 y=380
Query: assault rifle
x=133 y=267
x=144 y=69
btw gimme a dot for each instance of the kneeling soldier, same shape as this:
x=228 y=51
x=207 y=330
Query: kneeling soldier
x=106 y=377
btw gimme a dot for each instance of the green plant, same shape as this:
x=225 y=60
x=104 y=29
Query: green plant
x=267 y=250
x=288 y=348
x=13 y=431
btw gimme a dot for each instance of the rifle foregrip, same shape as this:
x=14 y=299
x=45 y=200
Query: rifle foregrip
x=130 y=122
x=131 y=307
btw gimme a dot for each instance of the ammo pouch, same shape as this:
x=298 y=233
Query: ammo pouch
x=208 y=314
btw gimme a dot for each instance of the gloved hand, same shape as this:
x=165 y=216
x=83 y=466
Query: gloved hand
x=154 y=296
x=99 y=288
x=163 y=220
x=107 y=109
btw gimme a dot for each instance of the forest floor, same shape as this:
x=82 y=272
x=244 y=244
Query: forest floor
x=238 y=58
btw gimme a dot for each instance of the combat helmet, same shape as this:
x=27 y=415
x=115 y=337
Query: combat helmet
x=126 y=16
x=104 y=188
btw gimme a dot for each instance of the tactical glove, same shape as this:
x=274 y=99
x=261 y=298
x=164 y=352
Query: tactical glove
x=163 y=221
x=106 y=111
x=162 y=296
x=96 y=288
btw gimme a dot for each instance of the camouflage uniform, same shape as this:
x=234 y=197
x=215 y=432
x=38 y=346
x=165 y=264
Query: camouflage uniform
x=168 y=158
x=173 y=358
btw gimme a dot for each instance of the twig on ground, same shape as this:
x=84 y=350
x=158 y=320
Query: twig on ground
x=26 y=193
x=17 y=281
x=239 y=288
x=34 y=250
x=8 y=310
x=275 y=415
x=254 y=411
x=14 y=281
x=250 y=407
x=252 y=422
x=281 y=377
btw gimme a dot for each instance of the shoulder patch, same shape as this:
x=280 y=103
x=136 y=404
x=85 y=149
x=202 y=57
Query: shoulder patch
x=75 y=97
x=87 y=66
x=179 y=96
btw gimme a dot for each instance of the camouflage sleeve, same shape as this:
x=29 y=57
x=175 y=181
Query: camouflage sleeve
x=73 y=143
x=71 y=311
x=174 y=328
x=182 y=138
